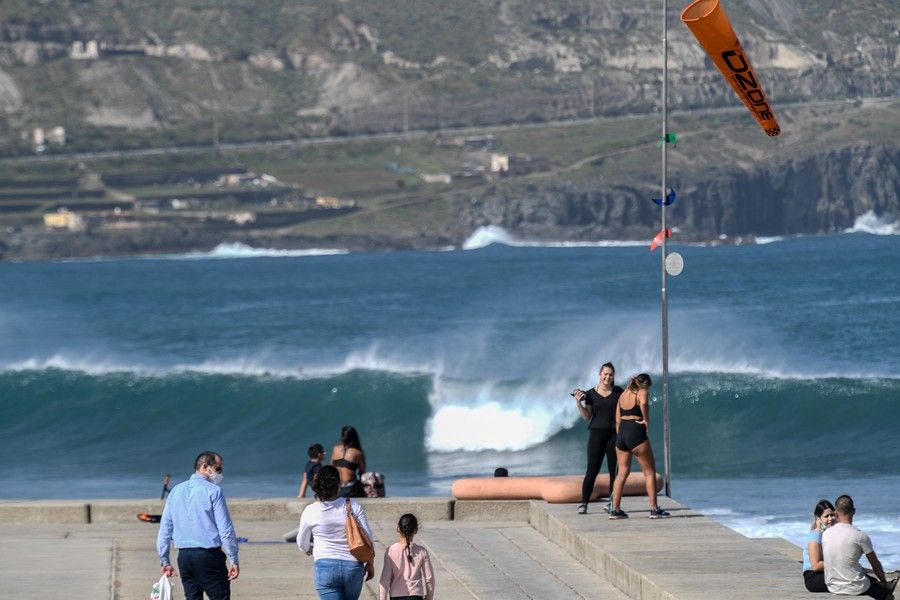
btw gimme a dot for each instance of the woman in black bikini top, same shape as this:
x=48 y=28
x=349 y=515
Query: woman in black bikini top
x=350 y=460
x=633 y=424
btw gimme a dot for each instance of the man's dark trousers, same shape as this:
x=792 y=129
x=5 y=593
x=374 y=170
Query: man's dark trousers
x=204 y=570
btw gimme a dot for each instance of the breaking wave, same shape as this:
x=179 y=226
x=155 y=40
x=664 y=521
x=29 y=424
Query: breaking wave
x=232 y=250
x=493 y=234
x=873 y=224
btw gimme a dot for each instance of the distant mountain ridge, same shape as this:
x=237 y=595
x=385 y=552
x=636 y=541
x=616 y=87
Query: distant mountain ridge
x=282 y=69
x=123 y=74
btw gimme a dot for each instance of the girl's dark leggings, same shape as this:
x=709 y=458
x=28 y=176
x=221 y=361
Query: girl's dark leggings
x=600 y=442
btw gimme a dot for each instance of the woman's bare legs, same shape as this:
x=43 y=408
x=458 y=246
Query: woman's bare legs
x=623 y=460
x=644 y=455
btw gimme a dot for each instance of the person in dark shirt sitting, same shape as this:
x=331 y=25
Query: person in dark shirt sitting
x=316 y=454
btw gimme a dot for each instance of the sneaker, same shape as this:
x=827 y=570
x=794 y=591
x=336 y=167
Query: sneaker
x=582 y=509
x=606 y=508
x=617 y=513
x=658 y=513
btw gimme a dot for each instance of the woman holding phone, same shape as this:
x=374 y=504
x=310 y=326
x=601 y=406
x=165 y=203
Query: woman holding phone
x=597 y=406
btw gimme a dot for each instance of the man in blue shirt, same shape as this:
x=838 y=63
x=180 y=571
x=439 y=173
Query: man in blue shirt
x=197 y=518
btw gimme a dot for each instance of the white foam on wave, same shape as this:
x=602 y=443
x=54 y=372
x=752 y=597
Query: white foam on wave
x=493 y=234
x=762 y=240
x=873 y=224
x=496 y=416
x=88 y=364
x=700 y=343
x=234 y=250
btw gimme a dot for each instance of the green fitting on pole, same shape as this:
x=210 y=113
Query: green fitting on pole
x=669 y=138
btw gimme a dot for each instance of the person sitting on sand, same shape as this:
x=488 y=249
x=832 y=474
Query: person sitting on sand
x=316 y=453
x=632 y=425
x=813 y=564
x=349 y=458
x=842 y=545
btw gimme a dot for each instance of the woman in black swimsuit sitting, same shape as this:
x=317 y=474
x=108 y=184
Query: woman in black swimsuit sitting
x=349 y=458
x=632 y=424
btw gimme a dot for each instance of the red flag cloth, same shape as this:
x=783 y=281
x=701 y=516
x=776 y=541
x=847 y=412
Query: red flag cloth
x=659 y=238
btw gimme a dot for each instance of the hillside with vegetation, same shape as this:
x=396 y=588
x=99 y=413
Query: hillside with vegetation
x=214 y=83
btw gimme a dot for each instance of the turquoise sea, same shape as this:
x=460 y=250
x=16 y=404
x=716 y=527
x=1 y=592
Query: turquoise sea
x=785 y=369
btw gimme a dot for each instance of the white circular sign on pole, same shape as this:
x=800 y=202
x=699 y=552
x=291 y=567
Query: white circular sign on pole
x=674 y=264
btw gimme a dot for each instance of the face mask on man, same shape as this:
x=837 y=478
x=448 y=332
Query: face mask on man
x=215 y=477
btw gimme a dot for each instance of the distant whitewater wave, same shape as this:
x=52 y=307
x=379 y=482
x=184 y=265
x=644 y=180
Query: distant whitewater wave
x=493 y=234
x=762 y=240
x=230 y=250
x=873 y=224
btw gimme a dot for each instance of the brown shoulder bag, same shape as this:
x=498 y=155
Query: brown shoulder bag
x=360 y=545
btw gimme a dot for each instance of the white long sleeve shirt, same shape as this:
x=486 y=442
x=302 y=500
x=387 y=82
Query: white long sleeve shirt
x=323 y=528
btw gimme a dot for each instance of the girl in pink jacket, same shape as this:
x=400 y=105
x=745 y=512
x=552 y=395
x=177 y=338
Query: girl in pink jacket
x=407 y=573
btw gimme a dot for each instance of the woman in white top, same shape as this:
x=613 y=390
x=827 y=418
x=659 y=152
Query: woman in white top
x=337 y=575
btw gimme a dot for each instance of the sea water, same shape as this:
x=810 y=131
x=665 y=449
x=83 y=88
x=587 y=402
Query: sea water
x=784 y=361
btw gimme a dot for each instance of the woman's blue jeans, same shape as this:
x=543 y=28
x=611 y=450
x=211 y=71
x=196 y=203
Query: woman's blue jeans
x=336 y=579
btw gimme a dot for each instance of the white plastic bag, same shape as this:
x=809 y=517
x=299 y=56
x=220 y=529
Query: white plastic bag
x=161 y=590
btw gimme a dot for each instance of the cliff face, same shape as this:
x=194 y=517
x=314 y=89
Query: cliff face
x=820 y=193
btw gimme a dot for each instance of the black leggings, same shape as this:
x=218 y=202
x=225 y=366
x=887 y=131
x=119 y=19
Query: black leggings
x=876 y=590
x=815 y=581
x=600 y=442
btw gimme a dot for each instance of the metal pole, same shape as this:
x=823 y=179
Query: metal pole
x=663 y=299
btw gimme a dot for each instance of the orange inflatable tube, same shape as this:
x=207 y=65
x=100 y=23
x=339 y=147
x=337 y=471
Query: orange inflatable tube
x=498 y=488
x=710 y=25
x=555 y=490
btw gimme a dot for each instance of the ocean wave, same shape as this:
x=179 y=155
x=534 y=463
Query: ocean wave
x=454 y=415
x=493 y=234
x=873 y=224
x=559 y=373
x=88 y=365
x=233 y=250
x=475 y=416
x=762 y=240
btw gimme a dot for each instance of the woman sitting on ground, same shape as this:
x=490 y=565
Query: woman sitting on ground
x=350 y=460
x=632 y=425
x=813 y=559
x=337 y=575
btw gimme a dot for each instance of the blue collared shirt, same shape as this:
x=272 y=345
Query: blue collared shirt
x=197 y=515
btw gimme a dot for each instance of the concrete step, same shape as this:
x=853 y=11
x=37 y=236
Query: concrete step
x=685 y=557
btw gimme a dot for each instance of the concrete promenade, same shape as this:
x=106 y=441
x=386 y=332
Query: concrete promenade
x=486 y=550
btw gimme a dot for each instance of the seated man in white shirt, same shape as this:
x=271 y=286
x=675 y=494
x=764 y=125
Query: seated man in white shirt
x=842 y=545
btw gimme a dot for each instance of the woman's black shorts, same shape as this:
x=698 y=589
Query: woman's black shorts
x=631 y=435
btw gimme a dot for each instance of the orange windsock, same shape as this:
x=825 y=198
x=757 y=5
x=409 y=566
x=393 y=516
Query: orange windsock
x=708 y=22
